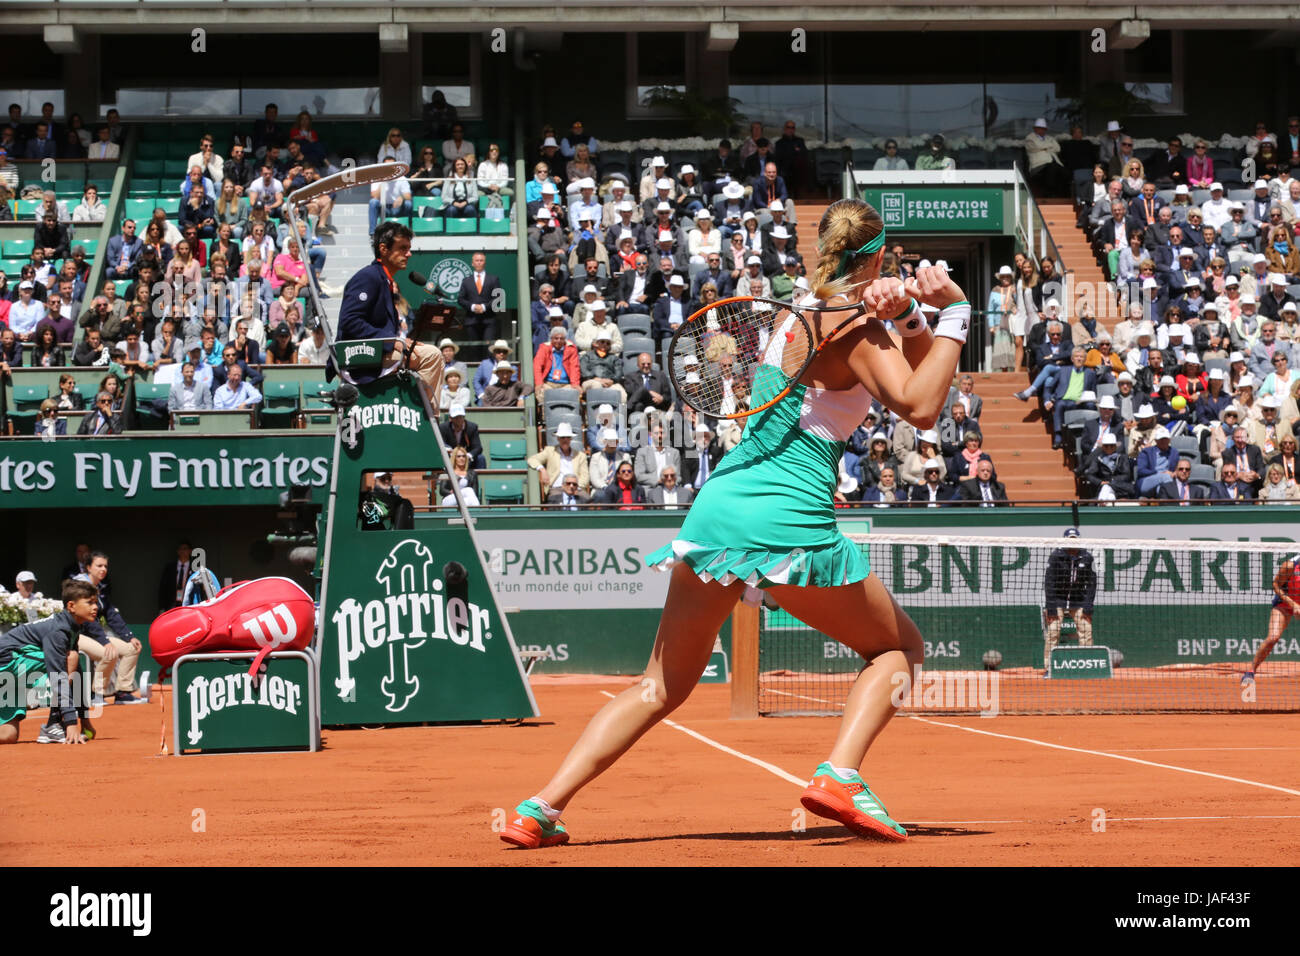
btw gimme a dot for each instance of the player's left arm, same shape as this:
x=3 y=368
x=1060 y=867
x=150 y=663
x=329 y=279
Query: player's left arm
x=913 y=381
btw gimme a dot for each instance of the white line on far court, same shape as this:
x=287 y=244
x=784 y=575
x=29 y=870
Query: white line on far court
x=770 y=768
x=1103 y=753
x=1165 y=750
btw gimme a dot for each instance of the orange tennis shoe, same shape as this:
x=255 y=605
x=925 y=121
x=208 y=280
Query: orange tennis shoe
x=849 y=801
x=530 y=829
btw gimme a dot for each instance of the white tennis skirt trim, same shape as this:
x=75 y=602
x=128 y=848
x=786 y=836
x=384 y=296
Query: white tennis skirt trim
x=778 y=574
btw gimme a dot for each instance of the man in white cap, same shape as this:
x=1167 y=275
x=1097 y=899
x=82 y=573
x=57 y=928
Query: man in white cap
x=930 y=493
x=599 y=366
x=1238 y=233
x=627 y=216
x=1267 y=430
x=498 y=351
x=1274 y=298
x=1109 y=143
x=1156 y=462
x=654 y=172
x=555 y=462
x=729 y=208
x=665 y=195
x=1181 y=206
x=778 y=215
x=604 y=463
x=670 y=311
x=774 y=255
x=585 y=287
x=545 y=237
x=506 y=391
x=584 y=208
x=25 y=585
x=1259 y=206
x=1216 y=210
x=1211 y=334
x=1044 y=155
x=1107 y=422
x=703 y=457
x=1106 y=466
x=754 y=272
x=1127 y=402
x=1143 y=433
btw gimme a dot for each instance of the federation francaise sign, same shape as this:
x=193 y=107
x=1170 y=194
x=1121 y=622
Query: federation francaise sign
x=939 y=210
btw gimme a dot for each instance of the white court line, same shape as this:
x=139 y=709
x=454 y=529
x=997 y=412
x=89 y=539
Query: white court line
x=1160 y=750
x=1103 y=753
x=770 y=768
x=786 y=693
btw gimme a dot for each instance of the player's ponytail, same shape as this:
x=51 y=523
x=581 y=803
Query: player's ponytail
x=847 y=226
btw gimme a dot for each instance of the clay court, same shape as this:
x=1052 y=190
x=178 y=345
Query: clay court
x=1007 y=791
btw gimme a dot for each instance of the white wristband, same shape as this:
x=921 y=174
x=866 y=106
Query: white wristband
x=954 y=322
x=911 y=322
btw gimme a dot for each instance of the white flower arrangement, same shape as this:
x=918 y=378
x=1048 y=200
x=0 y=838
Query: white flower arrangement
x=14 y=607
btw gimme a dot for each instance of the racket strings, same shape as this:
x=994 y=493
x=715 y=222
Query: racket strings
x=717 y=357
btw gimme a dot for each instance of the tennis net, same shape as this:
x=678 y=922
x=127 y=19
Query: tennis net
x=1173 y=627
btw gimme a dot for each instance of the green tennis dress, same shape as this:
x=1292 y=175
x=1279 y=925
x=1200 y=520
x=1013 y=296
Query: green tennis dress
x=766 y=516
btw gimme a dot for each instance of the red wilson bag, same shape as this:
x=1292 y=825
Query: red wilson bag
x=265 y=615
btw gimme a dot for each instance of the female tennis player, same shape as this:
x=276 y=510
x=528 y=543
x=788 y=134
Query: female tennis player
x=766 y=519
x=1286 y=604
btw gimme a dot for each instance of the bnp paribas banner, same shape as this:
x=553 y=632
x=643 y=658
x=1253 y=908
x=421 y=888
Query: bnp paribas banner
x=159 y=471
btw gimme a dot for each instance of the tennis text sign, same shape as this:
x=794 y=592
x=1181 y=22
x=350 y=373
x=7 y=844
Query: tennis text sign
x=1078 y=662
x=221 y=709
x=926 y=209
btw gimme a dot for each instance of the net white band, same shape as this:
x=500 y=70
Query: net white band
x=954 y=322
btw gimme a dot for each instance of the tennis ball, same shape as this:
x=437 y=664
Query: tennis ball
x=1178 y=403
x=992 y=659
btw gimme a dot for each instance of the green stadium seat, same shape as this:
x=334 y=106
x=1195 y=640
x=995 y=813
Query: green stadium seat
x=312 y=392
x=426 y=226
x=456 y=226
x=485 y=201
x=27 y=406
x=12 y=267
x=145 y=395
x=502 y=491
x=26 y=209
x=88 y=391
x=138 y=209
x=494 y=227
x=19 y=248
x=151 y=151
x=67 y=189
x=279 y=404
x=90 y=245
x=146 y=168
x=143 y=187
x=426 y=202
x=405 y=221
x=504 y=450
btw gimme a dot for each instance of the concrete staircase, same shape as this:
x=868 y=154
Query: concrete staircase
x=349 y=250
x=1077 y=257
x=1016 y=438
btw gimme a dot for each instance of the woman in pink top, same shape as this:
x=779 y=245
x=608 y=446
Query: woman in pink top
x=289 y=267
x=184 y=266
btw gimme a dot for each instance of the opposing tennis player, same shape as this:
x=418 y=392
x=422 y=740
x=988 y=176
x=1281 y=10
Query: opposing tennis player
x=766 y=518
x=1286 y=604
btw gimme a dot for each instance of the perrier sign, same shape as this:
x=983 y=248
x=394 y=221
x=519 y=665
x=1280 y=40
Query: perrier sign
x=219 y=708
x=410 y=631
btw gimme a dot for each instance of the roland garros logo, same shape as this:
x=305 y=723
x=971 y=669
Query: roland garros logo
x=449 y=273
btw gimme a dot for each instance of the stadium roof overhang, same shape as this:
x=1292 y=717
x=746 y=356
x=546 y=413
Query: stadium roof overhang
x=144 y=16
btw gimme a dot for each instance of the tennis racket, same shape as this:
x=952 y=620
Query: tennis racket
x=743 y=354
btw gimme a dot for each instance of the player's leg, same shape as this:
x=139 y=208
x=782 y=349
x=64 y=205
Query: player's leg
x=866 y=618
x=694 y=612
x=1277 y=622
